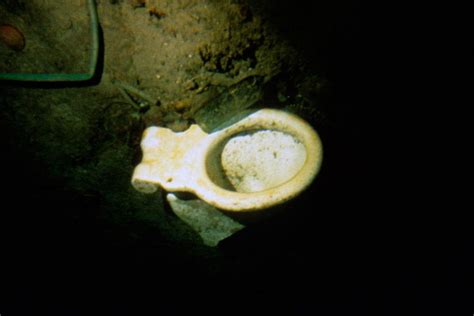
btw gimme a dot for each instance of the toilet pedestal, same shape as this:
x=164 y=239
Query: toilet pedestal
x=262 y=161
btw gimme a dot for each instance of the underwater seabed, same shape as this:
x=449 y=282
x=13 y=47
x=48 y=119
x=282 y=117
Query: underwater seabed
x=76 y=238
x=89 y=112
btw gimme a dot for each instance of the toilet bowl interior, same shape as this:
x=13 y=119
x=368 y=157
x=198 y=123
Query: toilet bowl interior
x=255 y=160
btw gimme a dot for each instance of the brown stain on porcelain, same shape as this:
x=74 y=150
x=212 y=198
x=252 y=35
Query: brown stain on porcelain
x=12 y=37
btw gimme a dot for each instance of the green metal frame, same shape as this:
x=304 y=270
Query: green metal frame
x=65 y=77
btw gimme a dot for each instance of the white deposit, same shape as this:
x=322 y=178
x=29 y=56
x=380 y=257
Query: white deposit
x=262 y=160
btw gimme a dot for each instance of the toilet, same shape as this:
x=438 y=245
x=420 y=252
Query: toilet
x=263 y=160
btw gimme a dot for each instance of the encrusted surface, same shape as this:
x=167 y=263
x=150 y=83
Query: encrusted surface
x=261 y=160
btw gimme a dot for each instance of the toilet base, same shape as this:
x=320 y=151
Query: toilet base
x=206 y=220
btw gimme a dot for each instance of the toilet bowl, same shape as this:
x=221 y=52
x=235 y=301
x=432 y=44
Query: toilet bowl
x=263 y=160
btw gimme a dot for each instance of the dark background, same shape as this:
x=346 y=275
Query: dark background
x=370 y=236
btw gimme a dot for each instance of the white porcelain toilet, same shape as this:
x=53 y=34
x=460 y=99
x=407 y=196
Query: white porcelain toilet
x=267 y=158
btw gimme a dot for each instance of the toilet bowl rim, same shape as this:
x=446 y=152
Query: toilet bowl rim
x=264 y=119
